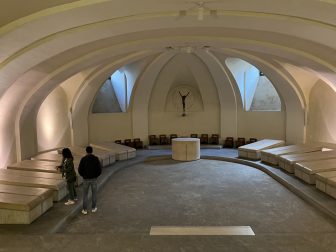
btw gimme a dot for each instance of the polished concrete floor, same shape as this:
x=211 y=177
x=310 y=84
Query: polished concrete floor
x=163 y=192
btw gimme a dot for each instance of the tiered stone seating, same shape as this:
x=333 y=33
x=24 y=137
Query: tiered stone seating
x=287 y=162
x=45 y=194
x=106 y=158
x=35 y=165
x=41 y=166
x=46 y=175
x=308 y=171
x=19 y=209
x=122 y=152
x=330 y=186
x=321 y=179
x=54 y=156
x=58 y=186
x=271 y=156
x=22 y=205
x=252 y=150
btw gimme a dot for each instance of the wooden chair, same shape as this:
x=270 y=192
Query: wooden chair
x=172 y=136
x=118 y=141
x=163 y=139
x=193 y=135
x=204 y=139
x=214 y=139
x=240 y=142
x=228 y=142
x=252 y=140
x=138 y=144
x=153 y=140
x=129 y=143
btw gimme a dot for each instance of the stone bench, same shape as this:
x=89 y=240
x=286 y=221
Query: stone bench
x=35 y=165
x=46 y=175
x=122 y=152
x=106 y=158
x=41 y=168
x=287 y=162
x=322 y=177
x=55 y=157
x=46 y=195
x=252 y=150
x=330 y=187
x=308 y=171
x=58 y=186
x=19 y=209
x=271 y=156
x=108 y=155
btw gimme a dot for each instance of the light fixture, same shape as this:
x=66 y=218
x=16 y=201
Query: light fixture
x=200 y=15
x=200 y=11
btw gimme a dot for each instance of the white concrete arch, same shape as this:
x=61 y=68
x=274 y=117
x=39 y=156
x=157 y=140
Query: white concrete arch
x=27 y=108
x=227 y=92
x=86 y=32
x=20 y=90
x=117 y=13
x=85 y=97
x=295 y=107
x=141 y=95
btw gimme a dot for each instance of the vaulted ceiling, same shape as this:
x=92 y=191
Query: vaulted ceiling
x=44 y=42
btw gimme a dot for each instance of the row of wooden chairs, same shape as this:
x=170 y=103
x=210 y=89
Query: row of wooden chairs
x=161 y=140
x=135 y=143
x=229 y=142
x=164 y=139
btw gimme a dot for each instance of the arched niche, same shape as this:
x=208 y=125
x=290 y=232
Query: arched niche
x=184 y=68
x=322 y=114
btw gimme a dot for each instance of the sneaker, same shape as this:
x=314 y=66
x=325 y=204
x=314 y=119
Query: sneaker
x=84 y=211
x=94 y=210
x=69 y=202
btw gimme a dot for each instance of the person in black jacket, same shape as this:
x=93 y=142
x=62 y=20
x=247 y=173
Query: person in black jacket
x=90 y=169
x=68 y=172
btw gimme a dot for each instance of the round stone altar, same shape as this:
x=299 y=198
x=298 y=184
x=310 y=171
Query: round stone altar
x=186 y=149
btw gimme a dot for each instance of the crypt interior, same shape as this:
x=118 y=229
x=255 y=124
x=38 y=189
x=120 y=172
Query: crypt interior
x=77 y=72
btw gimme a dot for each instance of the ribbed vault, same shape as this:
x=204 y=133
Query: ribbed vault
x=97 y=37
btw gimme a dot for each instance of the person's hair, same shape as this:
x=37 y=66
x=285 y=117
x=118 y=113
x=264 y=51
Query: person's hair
x=89 y=149
x=66 y=153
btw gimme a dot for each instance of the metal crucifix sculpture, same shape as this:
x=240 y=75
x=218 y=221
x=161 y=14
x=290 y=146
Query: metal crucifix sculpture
x=183 y=97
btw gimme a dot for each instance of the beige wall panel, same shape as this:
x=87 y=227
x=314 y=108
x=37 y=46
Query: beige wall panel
x=262 y=125
x=109 y=126
x=52 y=123
x=194 y=122
x=184 y=70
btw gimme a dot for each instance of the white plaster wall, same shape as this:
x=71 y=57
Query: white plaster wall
x=72 y=85
x=322 y=114
x=132 y=72
x=304 y=79
x=246 y=76
x=109 y=127
x=184 y=69
x=266 y=97
x=52 y=122
x=106 y=100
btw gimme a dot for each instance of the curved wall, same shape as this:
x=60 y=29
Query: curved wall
x=52 y=122
x=322 y=114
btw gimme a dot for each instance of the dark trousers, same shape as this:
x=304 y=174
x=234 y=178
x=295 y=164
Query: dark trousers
x=72 y=190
